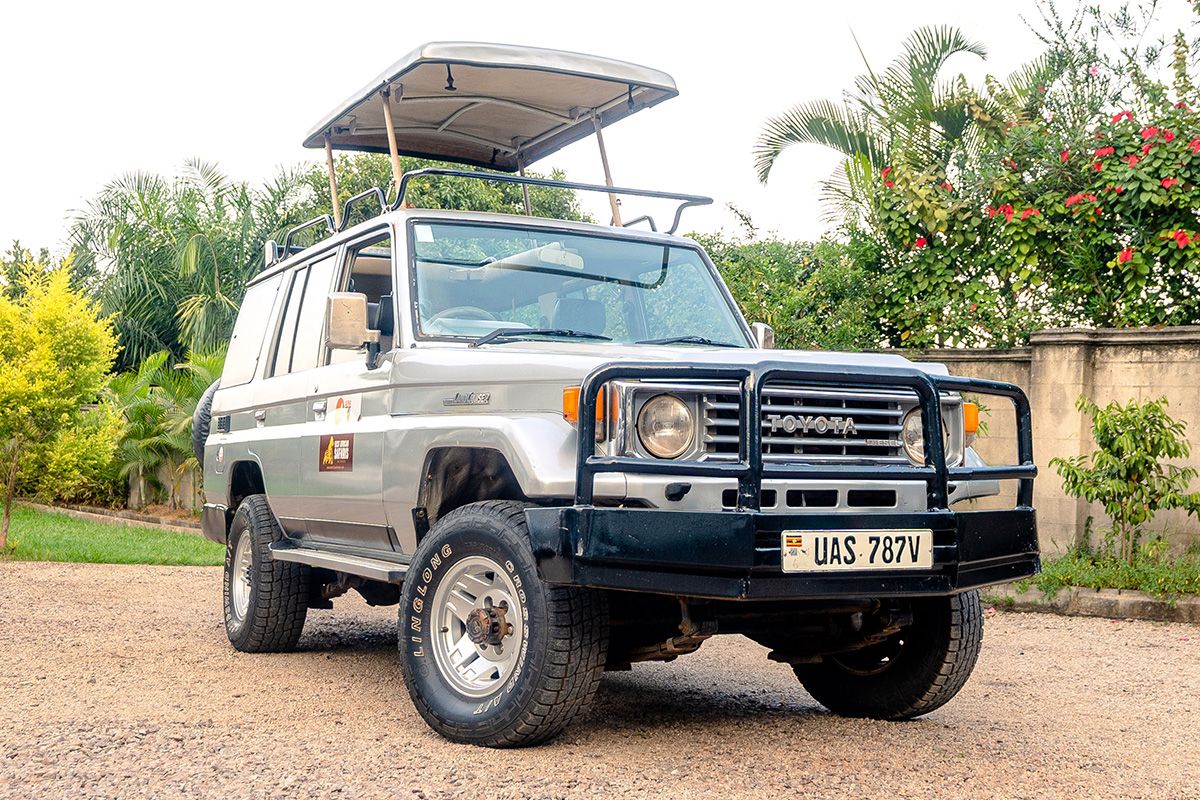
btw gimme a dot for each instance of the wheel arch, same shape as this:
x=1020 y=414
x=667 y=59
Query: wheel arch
x=455 y=476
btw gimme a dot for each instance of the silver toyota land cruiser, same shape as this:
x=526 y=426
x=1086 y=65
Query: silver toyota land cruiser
x=560 y=449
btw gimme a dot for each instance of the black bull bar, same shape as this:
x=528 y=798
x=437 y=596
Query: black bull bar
x=736 y=553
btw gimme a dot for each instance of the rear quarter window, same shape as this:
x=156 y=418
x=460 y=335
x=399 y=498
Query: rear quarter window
x=249 y=332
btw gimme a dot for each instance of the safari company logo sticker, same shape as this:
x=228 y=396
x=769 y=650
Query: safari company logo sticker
x=336 y=453
x=345 y=410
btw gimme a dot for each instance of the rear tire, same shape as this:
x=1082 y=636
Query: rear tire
x=266 y=600
x=912 y=673
x=491 y=655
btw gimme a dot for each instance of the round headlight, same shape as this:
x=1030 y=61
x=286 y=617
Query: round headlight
x=912 y=437
x=665 y=426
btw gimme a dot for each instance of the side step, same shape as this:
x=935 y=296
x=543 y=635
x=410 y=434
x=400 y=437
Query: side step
x=376 y=569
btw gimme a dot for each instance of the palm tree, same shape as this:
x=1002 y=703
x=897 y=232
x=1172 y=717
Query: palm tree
x=170 y=258
x=904 y=107
x=906 y=114
x=140 y=452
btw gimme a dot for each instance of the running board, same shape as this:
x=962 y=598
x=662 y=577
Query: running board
x=376 y=569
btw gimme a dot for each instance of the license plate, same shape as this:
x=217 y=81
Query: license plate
x=845 y=551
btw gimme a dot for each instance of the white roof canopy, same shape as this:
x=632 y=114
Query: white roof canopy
x=492 y=105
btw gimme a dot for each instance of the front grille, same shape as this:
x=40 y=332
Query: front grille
x=807 y=424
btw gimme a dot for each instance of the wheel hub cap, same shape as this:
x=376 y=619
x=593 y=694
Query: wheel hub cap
x=487 y=625
x=240 y=578
x=479 y=626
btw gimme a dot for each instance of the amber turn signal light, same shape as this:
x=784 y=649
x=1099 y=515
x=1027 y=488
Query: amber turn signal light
x=970 y=418
x=603 y=399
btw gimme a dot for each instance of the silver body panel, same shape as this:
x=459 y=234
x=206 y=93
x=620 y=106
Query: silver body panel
x=412 y=404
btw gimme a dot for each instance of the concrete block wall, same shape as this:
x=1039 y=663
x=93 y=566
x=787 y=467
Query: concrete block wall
x=1105 y=365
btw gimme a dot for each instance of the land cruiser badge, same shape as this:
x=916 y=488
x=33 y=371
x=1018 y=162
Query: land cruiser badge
x=468 y=399
x=336 y=453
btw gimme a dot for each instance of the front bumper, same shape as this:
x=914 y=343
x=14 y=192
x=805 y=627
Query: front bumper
x=736 y=555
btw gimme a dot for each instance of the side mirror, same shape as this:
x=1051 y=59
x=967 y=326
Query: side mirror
x=346 y=325
x=764 y=335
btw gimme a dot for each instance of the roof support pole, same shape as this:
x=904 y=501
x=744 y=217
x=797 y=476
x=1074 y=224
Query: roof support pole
x=333 y=190
x=524 y=187
x=613 y=203
x=393 y=149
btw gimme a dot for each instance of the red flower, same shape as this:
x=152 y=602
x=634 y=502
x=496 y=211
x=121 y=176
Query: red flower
x=1099 y=165
x=884 y=175
x=1167 y=183
x=1195 y=145
x=1065 y=154
x=1146 y=149
x=920 y=242
x=1029 y=212
x=1118 y=189
x=1149 y=132
x=1105 y=151
x=1132 y=159
x=946 y=185
x=1168 y=136
x=991 y=212
x=1122 y=115
x=1012 y=164
x=1125 y=256
x=1007 y=211
x=1079 y=198
x=1182 y=239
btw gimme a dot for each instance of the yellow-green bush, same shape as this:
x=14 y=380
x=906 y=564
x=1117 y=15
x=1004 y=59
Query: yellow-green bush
x=56 y=352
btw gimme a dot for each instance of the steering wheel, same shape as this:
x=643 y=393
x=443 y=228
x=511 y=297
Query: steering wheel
x=462 y=312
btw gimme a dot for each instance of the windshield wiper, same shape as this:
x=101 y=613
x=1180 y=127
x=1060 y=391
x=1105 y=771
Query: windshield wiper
x=688 y=340
x=513 y=334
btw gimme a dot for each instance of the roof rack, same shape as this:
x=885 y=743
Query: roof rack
x=686 y=200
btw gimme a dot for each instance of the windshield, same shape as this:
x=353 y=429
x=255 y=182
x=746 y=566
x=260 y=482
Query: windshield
x=472 y=280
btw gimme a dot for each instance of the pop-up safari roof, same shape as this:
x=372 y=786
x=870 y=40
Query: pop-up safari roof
x=491 y=105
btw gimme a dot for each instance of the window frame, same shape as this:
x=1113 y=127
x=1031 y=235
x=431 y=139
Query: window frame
x=343 y=280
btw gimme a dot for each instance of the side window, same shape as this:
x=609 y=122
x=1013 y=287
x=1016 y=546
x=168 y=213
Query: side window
x=287 y=329
x=309 y=347
x=249 y=332
x=301 y=334
x=368 y=270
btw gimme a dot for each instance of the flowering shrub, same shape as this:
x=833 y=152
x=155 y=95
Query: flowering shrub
x=1115 y=244
x=1064 y=194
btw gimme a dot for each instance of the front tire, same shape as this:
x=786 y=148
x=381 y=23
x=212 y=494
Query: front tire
x=266 y=600
x=912 y=673
x=491 y=655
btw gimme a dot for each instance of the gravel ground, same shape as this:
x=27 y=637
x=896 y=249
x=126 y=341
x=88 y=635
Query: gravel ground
x=118 y=681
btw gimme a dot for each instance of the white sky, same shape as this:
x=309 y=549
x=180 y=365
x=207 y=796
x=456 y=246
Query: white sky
x=90 y=91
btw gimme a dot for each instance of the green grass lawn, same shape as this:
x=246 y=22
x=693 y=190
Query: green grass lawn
x=43 y=536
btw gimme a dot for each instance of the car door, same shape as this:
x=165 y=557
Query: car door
x=281 y=396
x=347 y=412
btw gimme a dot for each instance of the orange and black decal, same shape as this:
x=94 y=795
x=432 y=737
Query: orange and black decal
x=336 y=453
